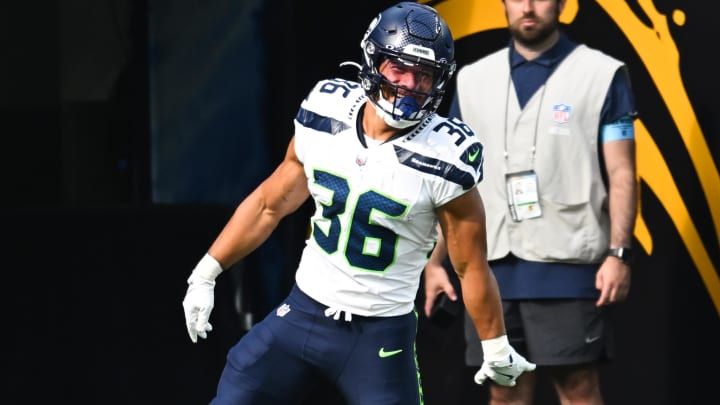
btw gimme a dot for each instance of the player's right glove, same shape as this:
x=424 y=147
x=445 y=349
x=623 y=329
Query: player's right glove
x=200 y=297
x=501 y=363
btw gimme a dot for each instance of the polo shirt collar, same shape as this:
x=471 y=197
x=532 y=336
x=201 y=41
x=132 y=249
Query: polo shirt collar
x=549 y=58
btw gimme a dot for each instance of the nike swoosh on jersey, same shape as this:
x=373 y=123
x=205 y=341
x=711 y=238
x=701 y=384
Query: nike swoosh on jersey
x=474 y=155
x=382 y=353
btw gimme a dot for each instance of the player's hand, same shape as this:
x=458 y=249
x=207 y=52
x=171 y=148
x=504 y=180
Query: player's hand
x=198 y=303
x=200 y=297
x=504 y=365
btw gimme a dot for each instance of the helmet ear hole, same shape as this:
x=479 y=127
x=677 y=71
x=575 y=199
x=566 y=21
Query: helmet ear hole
x=368 y=85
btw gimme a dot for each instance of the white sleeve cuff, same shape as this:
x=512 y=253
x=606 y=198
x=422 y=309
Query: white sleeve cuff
x=496 y=349
x=208 y=268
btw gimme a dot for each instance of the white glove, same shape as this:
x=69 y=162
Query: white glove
x=200 y=297
x=501 y=363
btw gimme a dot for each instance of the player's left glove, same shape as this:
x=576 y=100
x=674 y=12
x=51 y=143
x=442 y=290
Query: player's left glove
x=501 y=363
x=200 y=297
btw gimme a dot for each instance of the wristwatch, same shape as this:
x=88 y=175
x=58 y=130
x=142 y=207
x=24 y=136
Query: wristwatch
x=623 y=253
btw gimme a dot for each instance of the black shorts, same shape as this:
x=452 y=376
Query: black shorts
x=551 y=332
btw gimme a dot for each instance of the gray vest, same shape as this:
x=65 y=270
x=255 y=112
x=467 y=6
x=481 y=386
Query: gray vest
x=561 y=123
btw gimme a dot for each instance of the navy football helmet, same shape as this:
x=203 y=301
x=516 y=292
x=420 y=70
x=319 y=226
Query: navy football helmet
x=415 y=35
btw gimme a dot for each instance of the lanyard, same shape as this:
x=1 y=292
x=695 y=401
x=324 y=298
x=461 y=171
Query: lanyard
x=537 y=121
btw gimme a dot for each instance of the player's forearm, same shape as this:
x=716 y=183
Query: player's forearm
x=251 y=224
x=481 y=297
x=259 y=214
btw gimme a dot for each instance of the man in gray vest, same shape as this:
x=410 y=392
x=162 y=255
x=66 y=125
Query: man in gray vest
x=556 y=121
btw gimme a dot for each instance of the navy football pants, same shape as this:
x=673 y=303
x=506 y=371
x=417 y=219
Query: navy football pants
x=371 y=360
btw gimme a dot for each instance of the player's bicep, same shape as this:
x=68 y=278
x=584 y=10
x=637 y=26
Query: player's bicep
x=462 y=221
x=286 y=189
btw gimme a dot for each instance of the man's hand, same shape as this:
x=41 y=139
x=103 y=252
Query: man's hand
x=613 y=281
x=436 y=283
x=200 y=297
x=502 y=363
x=436 y=277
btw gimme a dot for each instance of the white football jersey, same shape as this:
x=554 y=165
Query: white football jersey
x=374 y=224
